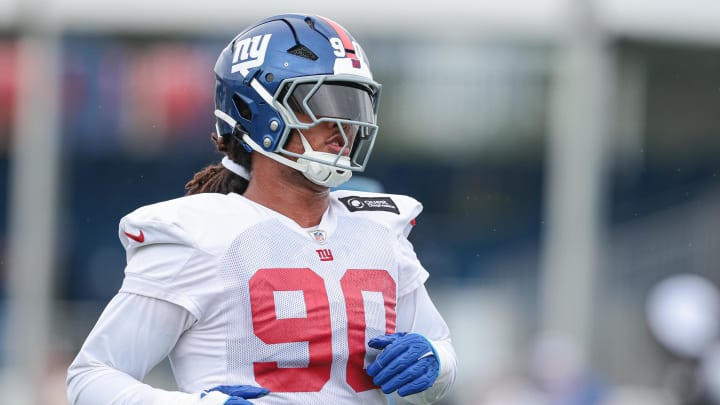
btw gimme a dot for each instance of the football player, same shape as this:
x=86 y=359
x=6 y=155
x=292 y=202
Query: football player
x=261 y=285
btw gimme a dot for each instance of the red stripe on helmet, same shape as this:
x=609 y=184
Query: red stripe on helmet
x=342 y=34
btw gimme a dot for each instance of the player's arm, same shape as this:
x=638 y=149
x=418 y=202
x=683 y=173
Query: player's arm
x=417 y=314
x=118 y=354
x=419 y=361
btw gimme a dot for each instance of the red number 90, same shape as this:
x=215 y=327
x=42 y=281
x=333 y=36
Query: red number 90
x=315 y=328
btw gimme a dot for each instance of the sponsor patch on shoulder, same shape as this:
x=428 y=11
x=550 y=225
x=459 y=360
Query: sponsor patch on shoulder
x=355 y=203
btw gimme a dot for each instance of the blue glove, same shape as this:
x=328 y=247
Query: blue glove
x=408 y=363
x=237 y=394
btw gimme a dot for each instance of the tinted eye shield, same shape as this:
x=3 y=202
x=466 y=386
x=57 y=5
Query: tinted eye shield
x=331 y=100
x=351 y=103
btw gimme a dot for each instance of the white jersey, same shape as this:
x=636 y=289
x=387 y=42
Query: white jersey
x=276 y=305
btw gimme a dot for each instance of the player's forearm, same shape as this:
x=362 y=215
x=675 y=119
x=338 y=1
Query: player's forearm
x=417 y=313
x=115 y=358
x=446 y=376
x=92 y=384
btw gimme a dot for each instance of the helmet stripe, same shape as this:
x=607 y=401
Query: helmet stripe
x=342 y=34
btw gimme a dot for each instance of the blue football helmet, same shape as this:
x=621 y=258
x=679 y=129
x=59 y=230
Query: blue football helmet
x=291 y=72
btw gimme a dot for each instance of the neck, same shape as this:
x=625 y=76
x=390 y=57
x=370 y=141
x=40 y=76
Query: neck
x=291 y=195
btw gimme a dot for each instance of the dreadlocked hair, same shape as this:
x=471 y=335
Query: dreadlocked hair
x=217 y=178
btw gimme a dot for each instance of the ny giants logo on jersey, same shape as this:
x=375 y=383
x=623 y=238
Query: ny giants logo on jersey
x=250 y=53
x=325 y=255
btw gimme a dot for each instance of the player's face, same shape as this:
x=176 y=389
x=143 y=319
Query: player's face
x=323 y=137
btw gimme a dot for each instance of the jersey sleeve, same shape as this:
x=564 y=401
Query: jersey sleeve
x=409 y=209
x=164 y=261
x=115 y=359
x=412 y=274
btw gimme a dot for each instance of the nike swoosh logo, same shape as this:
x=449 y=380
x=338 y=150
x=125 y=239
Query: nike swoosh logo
x=140 y=238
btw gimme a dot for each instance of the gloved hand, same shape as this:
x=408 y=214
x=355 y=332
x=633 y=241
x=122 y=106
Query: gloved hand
x=232 y=394
x=408 y=363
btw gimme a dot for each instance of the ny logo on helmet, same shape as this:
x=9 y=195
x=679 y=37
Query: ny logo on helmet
x=249 y=53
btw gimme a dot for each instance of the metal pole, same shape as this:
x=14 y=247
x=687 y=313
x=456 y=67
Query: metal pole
x=33 y=209
x=575 y=196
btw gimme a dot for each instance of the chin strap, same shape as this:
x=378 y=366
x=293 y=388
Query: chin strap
x=322 y=174
x=235 y=168
x=319 y=173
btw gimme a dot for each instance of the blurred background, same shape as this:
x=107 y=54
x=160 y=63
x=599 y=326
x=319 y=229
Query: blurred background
x=566 y=152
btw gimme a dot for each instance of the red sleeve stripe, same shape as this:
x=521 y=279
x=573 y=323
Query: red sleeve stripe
x=342 y=34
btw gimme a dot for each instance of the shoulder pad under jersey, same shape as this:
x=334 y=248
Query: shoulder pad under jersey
x=185 y=220
x=393 y=210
